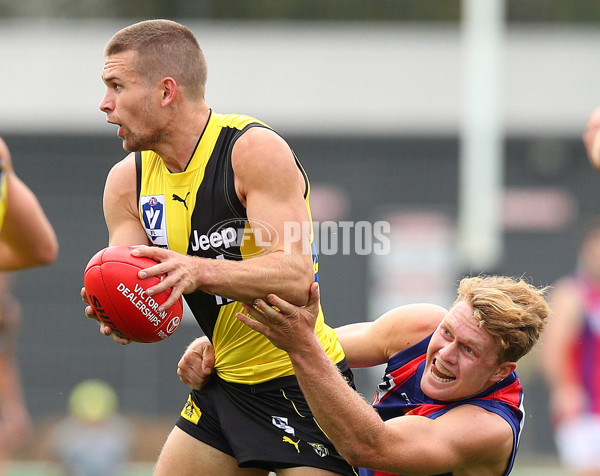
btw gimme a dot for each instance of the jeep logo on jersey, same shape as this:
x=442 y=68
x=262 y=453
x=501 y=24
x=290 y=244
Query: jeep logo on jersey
x=153 y=218
x=227 y=237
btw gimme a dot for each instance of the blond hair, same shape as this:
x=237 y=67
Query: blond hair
x=512 y=311
x=164 y=48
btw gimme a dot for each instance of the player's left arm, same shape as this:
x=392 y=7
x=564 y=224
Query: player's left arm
x=271 y=187
x=27 y=238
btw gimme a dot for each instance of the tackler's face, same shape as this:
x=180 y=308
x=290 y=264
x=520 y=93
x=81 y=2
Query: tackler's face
x=462 y=358
x=130 y=103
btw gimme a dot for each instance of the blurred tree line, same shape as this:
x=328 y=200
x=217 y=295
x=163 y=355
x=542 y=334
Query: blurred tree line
x=529 y=11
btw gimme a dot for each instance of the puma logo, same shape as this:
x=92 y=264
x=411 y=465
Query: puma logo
x=177 y=198
x=287 y=439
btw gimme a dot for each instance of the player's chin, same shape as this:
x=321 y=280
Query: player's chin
x=438 y=389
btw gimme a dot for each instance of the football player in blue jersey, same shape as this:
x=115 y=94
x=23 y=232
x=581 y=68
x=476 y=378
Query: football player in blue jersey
x=450 y=401
x=450 y=378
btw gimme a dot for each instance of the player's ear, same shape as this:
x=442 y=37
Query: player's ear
x=503 y=371
x=169 y=90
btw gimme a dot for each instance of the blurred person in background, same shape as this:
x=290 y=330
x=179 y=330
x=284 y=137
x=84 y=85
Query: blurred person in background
x=570 y=359
x=27 y=239
x=94 y=439
x=15 y=423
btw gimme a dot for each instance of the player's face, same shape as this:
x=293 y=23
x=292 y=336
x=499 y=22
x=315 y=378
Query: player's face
x=131 y=104
x=462 y=358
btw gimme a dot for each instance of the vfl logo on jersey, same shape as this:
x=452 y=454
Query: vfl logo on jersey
x=153 y=218
x=282 y=423
x=190 y=411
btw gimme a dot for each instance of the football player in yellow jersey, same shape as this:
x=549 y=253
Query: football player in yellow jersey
x=188 y=166
x=27 y=239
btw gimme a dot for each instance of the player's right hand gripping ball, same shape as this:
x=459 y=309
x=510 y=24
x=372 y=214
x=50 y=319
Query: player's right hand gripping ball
x=119 y=297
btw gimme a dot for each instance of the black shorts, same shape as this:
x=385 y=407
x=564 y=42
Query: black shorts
x=268 y=425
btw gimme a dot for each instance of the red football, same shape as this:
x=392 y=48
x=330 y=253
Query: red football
x=119 y=297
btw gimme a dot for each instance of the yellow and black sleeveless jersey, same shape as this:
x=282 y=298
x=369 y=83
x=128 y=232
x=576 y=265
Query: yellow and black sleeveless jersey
x=197 y=212
x=3 y=192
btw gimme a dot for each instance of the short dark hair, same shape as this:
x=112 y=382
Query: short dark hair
x=164 y=48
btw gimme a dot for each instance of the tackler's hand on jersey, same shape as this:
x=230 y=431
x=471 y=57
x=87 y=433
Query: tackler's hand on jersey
x=197 y=363
x=286 y=325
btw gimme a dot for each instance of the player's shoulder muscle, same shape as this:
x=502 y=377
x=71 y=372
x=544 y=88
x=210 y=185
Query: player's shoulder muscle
x=120 y=200
x=121 y=179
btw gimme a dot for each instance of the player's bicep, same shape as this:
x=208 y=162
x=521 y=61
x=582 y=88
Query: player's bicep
x=360 y=348
x=271 y=187
x=281 y=222
x=120 y=205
